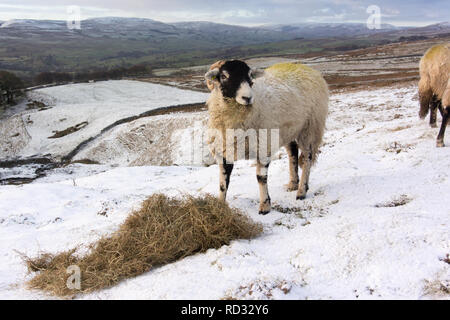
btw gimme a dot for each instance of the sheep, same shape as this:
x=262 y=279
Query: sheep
x=290 y=100
x=434 y=87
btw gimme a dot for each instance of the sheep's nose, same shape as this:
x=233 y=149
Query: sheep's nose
x=247 y=99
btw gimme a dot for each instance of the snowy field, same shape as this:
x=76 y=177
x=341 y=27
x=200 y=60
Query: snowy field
x=91 y=106
x=375 y=223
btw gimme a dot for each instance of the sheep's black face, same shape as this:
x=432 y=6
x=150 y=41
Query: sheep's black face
x=235 y=81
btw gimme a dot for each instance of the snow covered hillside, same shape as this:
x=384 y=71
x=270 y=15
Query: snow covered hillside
x=86 y=107
x=375 y=223
x=158 y=140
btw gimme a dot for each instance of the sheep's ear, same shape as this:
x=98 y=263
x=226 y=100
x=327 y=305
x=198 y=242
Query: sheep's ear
x=211 y=75
x=256 y=73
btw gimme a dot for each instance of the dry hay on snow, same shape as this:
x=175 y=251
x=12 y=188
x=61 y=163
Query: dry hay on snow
x=163 y=230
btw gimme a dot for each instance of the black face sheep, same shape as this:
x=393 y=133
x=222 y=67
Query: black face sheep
x=286 y=105
x=434 y=86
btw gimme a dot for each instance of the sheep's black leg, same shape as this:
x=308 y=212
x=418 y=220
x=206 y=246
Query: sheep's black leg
x=292 y=150
x=441 y=110
x=305 y=161
x=440 y=137
x=433 y=108
x=264 y=198
x=224 y=178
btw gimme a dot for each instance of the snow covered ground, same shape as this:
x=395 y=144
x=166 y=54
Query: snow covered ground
x=375 y=224
x=94 y=106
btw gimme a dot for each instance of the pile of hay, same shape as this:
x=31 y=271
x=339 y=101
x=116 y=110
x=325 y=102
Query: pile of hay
x=163 y=230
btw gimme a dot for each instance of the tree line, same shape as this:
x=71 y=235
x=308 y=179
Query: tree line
x=10 y=86
x=99 y=74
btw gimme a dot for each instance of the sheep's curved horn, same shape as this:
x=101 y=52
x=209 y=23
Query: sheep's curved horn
x=212 y=74
x=210 y=77
x=215 y=65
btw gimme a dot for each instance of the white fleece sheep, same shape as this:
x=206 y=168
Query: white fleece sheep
x=291 y=98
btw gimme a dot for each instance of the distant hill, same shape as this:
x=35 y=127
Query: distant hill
x=329 y=30
x=33 y=46
x=140 y=29
x=148 y=29
x=431 y=30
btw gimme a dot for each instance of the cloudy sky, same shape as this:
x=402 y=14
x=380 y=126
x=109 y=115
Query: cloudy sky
x=243 y=12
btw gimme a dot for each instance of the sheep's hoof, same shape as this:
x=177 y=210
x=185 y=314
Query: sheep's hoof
x=264 y=207
x=433 y=125
x=291 y=186
x=440 y=144
x=301 y=194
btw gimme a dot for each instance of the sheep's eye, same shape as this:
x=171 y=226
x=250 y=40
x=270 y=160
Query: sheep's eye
x=224 y=75
x=251 y=83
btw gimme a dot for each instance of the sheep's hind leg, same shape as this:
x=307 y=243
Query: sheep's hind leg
x=441 y=111
x=224 y=178
x=292 y=150
x=264 y=198
x=440 y=137
x=433 y=111
x=305 y=162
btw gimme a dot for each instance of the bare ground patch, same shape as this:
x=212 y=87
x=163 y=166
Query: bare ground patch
x=438 y=288
x=397 y=147
x=399 y=128
x=34 y=104
x=259 y=290
x=446 y=259
x=70 y=130
x=396 y=202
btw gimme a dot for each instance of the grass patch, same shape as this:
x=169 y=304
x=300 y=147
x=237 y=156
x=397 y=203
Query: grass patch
x=163 y=230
